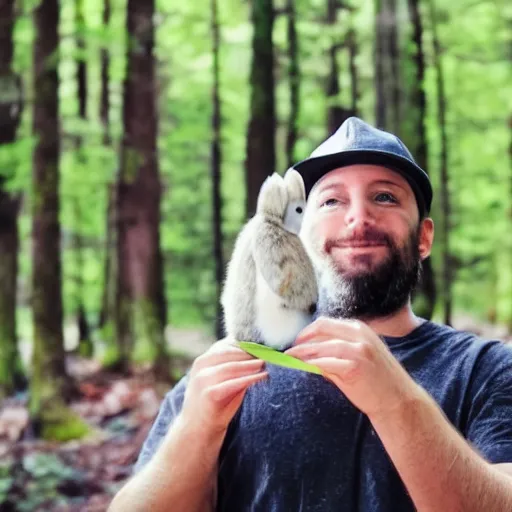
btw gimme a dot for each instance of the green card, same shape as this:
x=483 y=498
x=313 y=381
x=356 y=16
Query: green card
x=275 y=357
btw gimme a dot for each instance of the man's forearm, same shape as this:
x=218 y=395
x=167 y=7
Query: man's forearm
x=182 y=475
x=438 y=467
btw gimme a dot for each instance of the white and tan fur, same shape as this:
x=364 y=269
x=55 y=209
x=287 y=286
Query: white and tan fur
x=270 y=290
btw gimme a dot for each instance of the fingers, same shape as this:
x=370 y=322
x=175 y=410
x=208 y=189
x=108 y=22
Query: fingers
x=227 y=389
x=327 y=348
x=228 y=371
x=220 y=353
x=331 y=327
x=334 y=369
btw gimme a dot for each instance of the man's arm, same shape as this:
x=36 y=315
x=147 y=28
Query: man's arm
x=439 y=468
x=437 y=465
x=182 y=474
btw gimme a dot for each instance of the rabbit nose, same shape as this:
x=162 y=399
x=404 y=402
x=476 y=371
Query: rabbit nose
x=312 y=309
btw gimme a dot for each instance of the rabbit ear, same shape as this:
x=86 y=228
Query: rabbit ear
x=272 y=198
x=295 y=185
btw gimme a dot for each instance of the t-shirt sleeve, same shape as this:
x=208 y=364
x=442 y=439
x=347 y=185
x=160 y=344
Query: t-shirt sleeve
x=490 y=414
x=169 y=409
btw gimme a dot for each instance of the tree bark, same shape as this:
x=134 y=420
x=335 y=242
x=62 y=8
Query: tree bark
x=427 y=285
x=49 y=385
x=104 y=93
x=11 y=372
x=85 y=347
x=216 y=159
x=336 y=113
x=261 y=152
x=140 y=278
x=354 y=82
x=509 y=52
x=444 y=178
x=380 y=73
x=387 y=67
x=107 y=313
x=294 y=82
x=510 y=198
x=394 y=57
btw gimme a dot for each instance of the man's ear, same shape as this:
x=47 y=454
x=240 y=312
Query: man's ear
x=426 y=237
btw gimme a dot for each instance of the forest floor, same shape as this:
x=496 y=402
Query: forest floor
x=80 y=475
x=84 y=475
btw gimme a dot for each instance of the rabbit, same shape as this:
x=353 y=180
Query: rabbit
x=270 y=290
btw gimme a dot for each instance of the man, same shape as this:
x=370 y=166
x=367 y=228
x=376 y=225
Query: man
x=407 y=415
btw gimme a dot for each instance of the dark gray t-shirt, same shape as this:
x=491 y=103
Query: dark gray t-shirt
x=297 y=444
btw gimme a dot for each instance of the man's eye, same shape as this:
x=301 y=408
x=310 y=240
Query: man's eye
x=330 y=202
x=385 y=197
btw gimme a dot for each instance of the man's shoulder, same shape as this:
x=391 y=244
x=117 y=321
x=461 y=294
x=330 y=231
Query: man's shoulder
x=169 y=408
x=486 y=352
x=174 y=397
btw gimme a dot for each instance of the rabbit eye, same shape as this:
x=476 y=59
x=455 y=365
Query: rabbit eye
x=298 y=209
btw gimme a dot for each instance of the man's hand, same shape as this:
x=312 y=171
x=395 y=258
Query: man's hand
x=359 y=363
x=217 y=384
x=182 y=475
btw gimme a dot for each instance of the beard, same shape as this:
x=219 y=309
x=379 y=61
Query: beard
x=375 y=292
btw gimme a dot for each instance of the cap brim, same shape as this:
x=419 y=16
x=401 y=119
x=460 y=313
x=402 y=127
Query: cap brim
x=314 y=168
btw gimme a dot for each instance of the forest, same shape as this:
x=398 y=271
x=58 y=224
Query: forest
x=134 y=138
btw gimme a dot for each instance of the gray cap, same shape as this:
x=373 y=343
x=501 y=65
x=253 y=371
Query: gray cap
x=356 y=142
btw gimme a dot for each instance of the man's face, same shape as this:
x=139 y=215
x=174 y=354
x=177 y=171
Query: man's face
x=362 y=230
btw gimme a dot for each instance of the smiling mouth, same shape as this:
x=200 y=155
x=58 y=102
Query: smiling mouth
x=360 y=245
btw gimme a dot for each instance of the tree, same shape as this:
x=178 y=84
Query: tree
x=444 y=178
x=107 y=311
x=261 y=152
x=49 y=385
x=294 y=78
x=352 y=53
x=427 y=286
x=510 y=198
x=141 y=305
x=216 y=158
x=336 y=113
x=85 y=346
x=387 y=67
x=10 y=111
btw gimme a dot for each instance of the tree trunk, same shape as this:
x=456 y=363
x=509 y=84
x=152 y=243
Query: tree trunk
x=140 y=263
x=419 y=98
x=352 y=53
x=216 y=157
x=105 y=64
x=387 y=67
x=444 y=179
x=427 y=285
x=261 y=152
x=510 y=200
x=294 y=83
x=394 y=57
x=107 y=313
x=108 y=300
x=85 y=347
x=49 y=385
x=380 y=71
x=336 y=114
x=11 y=372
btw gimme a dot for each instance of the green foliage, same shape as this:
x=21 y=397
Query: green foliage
x=40 y=475
x=6 y=479
x=475 y=37
x=63 y=425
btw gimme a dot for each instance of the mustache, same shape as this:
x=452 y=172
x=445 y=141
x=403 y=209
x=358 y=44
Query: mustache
x=369 y=236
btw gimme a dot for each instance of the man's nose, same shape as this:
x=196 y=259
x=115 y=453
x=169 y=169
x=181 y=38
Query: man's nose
x=359 y=213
